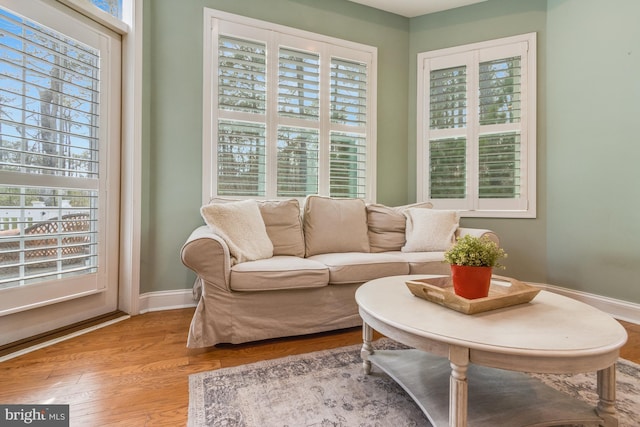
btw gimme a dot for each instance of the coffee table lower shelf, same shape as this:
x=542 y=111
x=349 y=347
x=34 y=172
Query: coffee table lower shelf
x=496 y=397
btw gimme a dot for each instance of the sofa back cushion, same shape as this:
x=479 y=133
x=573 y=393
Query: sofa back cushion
x=284 y=226
x=334 y=225
x=387 y=225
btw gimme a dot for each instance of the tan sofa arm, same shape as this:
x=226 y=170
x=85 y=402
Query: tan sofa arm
x=478 y=232
x=208 y=256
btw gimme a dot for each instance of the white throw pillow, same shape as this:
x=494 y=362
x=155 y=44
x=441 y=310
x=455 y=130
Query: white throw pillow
x=430 y=230
x=242 y=227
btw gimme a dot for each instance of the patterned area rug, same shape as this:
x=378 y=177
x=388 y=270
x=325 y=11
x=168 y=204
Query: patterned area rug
x=328 y=388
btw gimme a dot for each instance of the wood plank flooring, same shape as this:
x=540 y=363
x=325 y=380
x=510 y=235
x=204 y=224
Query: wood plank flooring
x=135 y=372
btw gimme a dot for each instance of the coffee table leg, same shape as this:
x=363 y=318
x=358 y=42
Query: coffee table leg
x=606 y=408
x=458 y=386
x=367 y=348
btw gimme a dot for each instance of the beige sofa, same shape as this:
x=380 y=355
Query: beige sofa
x=269 y=269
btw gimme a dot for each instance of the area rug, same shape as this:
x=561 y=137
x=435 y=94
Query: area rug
x=328 y=388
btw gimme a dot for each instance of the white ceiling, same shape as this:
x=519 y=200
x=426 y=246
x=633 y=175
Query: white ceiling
x=412 y=8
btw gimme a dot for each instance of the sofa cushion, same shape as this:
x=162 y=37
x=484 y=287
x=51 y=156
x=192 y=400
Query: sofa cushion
x=386 y=226
x=425 y=262
x=284 y=226
x=278 y=273
x=334 y=225
x=430 y=229
x=241 y=225
x=359 y=267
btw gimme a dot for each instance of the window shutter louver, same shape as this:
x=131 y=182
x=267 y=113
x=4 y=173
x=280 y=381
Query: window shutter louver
x=347 y=165
x=348 y=92
x=448 y=169
x=49 y=123
x=297 y=162
x=348 y=151
x=242 y=73
x=241 y=159
x=499 y=92
x=448 y=98
x=500 y=166
x=299 y=84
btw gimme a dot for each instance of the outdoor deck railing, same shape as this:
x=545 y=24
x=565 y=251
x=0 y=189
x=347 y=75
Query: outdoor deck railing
x=13 y=217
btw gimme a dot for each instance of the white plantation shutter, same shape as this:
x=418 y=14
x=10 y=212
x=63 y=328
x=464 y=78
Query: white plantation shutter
x=348 y=160
x=500 y=104
x=299 y=101
x=290 y=112
x=448 y=110
x=49 y=153
x=476 y=145
x=242 y=95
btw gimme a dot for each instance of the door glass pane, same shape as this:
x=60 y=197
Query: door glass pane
x=49 y=124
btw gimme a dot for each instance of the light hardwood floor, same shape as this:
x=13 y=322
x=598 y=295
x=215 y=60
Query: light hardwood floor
x=135 y=372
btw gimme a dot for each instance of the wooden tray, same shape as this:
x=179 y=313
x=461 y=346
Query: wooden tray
x=504 y=292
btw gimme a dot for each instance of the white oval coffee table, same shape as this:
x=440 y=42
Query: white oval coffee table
x=467 y=369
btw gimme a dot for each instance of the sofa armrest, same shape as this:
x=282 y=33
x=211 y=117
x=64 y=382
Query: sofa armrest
x=207 y=254
x=478 y=232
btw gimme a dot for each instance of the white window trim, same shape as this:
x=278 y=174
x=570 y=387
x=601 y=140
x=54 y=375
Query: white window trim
x=212 y=18
x=527 y=208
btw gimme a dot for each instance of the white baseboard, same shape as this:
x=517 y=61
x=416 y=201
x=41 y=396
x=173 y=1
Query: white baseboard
x=621 y=310
x=166 y=300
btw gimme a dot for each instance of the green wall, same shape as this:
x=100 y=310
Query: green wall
x=584 y=236
x=593 y=232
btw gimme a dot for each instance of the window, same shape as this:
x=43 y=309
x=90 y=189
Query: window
x=477 y=128
x=287 y=113
x=59 y=135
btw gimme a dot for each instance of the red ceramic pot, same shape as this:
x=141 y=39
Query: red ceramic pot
x=471 y=282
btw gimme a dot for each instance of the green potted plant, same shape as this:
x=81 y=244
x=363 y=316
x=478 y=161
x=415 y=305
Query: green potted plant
x=472 y=261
